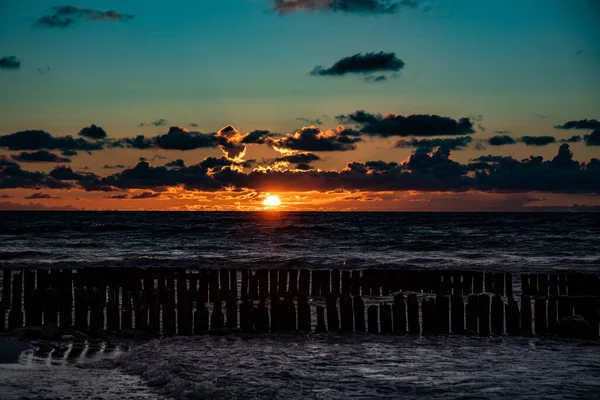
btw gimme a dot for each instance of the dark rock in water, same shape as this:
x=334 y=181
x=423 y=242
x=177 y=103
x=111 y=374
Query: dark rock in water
x=574 y=326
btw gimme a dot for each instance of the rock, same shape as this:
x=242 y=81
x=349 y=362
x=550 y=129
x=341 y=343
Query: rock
x=575 y=327
x=69 y=338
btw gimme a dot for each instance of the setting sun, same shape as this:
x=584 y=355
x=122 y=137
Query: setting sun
x=272 y=201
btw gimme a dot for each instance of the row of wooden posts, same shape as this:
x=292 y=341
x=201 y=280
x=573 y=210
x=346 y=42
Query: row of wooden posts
x=175 y=302
x=573 y=284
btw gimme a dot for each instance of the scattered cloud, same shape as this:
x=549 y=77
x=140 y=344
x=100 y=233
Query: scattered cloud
x=314 y=139
x=38 y=140
x=158 y=122
x=501 y=140
x=345 y=6
x=40 y=195
x=456 y=143
x=145 y=195
x=572 y=139
x=316 y=121
x=537 y=140
x=365 y=64
x=593 y=139
x=586 y=124
x=10 y=62
x=43 y=71
x=93 y=132
x=40 y=156
x=66 y=16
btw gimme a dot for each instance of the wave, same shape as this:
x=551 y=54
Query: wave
x=15 y=255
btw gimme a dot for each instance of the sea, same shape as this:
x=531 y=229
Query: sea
x=305 y=366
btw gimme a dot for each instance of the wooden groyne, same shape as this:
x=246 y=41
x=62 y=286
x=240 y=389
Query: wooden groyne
x=167 y=301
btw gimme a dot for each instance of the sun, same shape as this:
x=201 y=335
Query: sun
x=272 y=201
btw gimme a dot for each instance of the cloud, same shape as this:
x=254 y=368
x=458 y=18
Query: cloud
x=38 y=140
x=138 y=142
x=314 y=139
x=66 y=16
x=158 y=122
x=13 y=176
x=587 y=124
x=118 y=166
x=593 y=139
x=537 y=140
x=40 y=195
x=411 y=125
x=258 y=137
x=501 y=140
x=93 y=132
x=345 y=6
x=43 y=71
x=179 y=138
x=316 y=121
x=429 y=144
x=10 y=62
x=145 y=195
x=40 y=156
x=5 y=196
x=365 y=64
x=572 y=139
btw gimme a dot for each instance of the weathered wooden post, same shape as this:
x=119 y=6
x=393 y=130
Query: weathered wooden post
x=253 y=285
x=140 y=307
x=484 y=314
x=359 y=314
x=355 y=283
x=203 y=290
x=543 y=285
x=293 y=290
x=335 y=281
x=499 y=283
x=325 y=283
x=289 y=313
x=372 y=319
x=526 y=315
x=552 y=312
x=232 y=313
x=247 y=315
x=273 y=287
x=263 y=284
x=346 y=313
x=320 y=319
x=6 y=285
x=457 y=285
x=541 y=325
x=217 y=319
x=15 y=316
x=509 y=284
x=65 y=293
x=458 y=314
x=304 y=283
x=168 y=315
x=213 y=283
x=553 y=285
x=112 y=309
x=81 y=308
x=533 y=284
x=28 y=287
x=333 y=319
x=413 y=314
x=467 y=284
x=489 y=282
x=346 y=284
x=565 y=307
x=304 y=323
x=33 y=310
x=525 y=284
x=261 y=318
x=443 y=314
x=473 y=313
x=497 y=315
x=201 y=319
x=399 y=311
x=365 y=282
x=385 y=316
x=154 y=311
x=224 y=283
x=276 y=317
x=283 y=281
x=429 y=314
x=97 y=303
x=315 y=283
x=185 y=312
x=562 y=284
x=244 y=288
x=233 y=282
x=477 y=282
x=512 y=317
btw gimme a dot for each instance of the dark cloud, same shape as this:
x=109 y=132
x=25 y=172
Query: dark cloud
x=377 y=78
x=66 y=16
x=40 y=156
x=38 y=140
x=593 y=139
x=63 y=173
x=587 y=124
x=572 y=139
x=501 y=140
x=145 y=195
x=258 y=137
x=138 y=142
x=5 y=196
x=194 y=125
x=299 y=158
x=40 y=195
x=365 y=64
x=314 y=139
x=43 y=71
x=537 y=140
x=176 y=163
x=93 y=132
x=10 y=62
x=118 y=166
x=179 y=138
x=411 y=125
x=316 y=121
x=158 y=122
x=118 y=196
x=429 y=144
x=345 y=6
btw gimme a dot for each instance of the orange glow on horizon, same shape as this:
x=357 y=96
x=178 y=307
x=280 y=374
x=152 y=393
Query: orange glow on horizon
x=272 y=201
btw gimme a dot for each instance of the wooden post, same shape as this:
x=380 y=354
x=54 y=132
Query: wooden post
x=552 y=312
x=385 y=315
x=333 y=319
x=497 y=315
x=283 y=278
x=533 y=284
x=355 y=283
x=365 y=282
x=289 y=313
x=233 y=282
x=543 y=285
x=203 y=280
x=320 y=318
x=325 y=283
x=97 y=303
x=473 y=313
x=499 y=283
x=525 y=285
x=224 y=283
x=443 y=314
x=33 y=310
x=376 y=278
x=359 y=314
x=217 y=320
x=304 y=323
x=509 y=284
x=315 y=283
x=232 y=313
x=273 y=283
x=28 y=287
x=253 y=285
x=168 y=315
x=15 y=317
x=565 y=307
x=293 y=290
x=65 y=293
x=526 y=315
x=372 y=319
x=213 y=282
x=335 y=281
x=562 y=284
x=512 y=317
x=185 y=312
x=346 y=313
x=201 y=319
x=399 y=311
x=346 y=283
x=244 y=289
x=541 y=324
x=304 y=284
x=154 y=311
x=553 y=285
x=429 y=314
x=478 y=282
x=489 y=282
x=467 y=284
x=484 y=314
x=261 y=318
x=81 y=308
x=112 y=309
x=458 y=314
x=246 y=315
x=457 y=285
x=6 y=285
x=386 y=282
x=413 y=314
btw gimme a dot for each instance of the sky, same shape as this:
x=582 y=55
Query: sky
x=376 y=105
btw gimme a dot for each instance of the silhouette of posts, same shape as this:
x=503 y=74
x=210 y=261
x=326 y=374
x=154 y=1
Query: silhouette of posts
x=304 y=282
x=443 y=314
x=289 y=313
x=526 y=315
x=217 y=319
x=512 y=317
x=246 y=314
x=263 y=283
x=261 y=317
x=484 y=314
x=112 y=310
x=497 y=315
x=359 y=314
x=15 y=316
x=472 y=313
x=321 y=319
x=201 y=319
x=346 y=313
x=333 y=319
x=552 y=311
x=385 y=318
x=429 y=314
x=458 y=314
x=541 y=325
x=399 y=313
x=413 y=314
x=372 y=319
x=304 y=322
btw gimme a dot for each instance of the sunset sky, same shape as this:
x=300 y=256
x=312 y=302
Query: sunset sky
x=407 y=105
